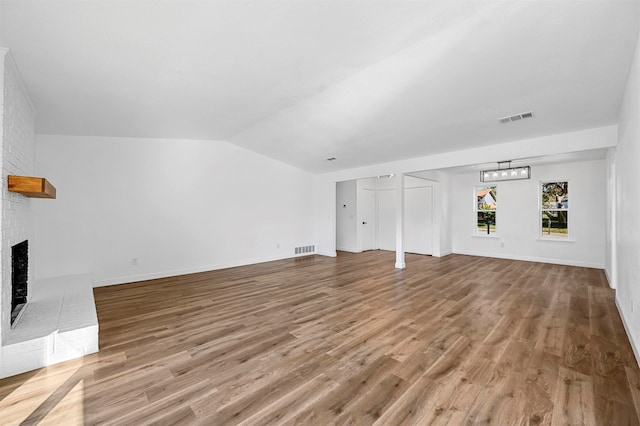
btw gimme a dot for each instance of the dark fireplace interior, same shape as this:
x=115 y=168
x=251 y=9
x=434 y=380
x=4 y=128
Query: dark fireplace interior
x=19 y=278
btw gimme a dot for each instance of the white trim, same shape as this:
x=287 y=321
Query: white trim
x=556 y=240
x=349 y=249
x=194 y=270
x=489 y=236
x=541 y=210
x=442 y=254
x=532 y=259
x=606 y=272
x=476 y=231
x=612 y=225
x=636 y=352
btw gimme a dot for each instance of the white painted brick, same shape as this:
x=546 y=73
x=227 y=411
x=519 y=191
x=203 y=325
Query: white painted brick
x=60 y=323
x=17 y=147
x=16 y=361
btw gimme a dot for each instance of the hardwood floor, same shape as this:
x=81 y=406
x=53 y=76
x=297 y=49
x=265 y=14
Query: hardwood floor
x=348 y=340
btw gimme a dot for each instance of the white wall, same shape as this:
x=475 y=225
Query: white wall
x=384 y=221
x=561 y=143
x=175 y=206
x=518 y=216
x=324 y=215
x=441 y=182
x=627 y=210
x=386 y=217
x=17 y=150
x=364 y=188
x=610 y=230
x=324 y=185
x=443 y=214
x=346 y=216
x=386 y=194
x=386 y=212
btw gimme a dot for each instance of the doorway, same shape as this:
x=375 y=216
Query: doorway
x=366 y=215
x=367 y=219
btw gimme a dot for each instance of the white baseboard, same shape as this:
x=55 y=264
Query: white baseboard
x=532 y=259
x=612 y=284
x=349 y=249
x=636 y=352
x=186 y=271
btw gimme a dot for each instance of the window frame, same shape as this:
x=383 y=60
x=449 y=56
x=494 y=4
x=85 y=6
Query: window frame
x=476 y=210
x=541 y=210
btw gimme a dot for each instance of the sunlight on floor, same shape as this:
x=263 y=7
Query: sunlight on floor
x=52 y=396
x=70 y=411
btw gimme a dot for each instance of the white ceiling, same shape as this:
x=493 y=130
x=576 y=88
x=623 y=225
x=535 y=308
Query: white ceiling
x=301 y=81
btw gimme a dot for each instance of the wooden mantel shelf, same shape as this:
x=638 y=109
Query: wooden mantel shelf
x=34 y=187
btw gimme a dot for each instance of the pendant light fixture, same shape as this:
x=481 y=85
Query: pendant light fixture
x=505 y=172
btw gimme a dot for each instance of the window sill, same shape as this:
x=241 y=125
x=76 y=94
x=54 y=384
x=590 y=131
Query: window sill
x=556 y=240
x=490 y=236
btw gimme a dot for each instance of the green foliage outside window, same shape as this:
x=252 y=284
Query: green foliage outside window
x=486 y=207
x=555 y=209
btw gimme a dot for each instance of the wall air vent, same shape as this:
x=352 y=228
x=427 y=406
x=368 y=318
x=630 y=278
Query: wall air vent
x=516 y=117
x=305 y=250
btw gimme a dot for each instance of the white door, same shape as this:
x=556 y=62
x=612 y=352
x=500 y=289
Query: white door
x=367 y=219
x=387 y=219
x=418 y=220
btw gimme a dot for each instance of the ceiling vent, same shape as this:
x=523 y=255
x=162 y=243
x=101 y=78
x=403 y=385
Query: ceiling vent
x=516 y=117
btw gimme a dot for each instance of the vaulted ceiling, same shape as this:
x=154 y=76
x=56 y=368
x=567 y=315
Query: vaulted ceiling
x=301 y=81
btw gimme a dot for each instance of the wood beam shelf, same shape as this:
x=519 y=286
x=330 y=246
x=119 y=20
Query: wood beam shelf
x=34 y=187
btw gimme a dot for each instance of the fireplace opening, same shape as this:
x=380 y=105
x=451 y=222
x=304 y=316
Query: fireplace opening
x=19 y=278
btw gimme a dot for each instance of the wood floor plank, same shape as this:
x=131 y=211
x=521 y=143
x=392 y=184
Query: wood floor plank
x=348 y=340
x=552 y=335
x=415 y=406
x=575 y=403
x=503 y=403
x=540 y=389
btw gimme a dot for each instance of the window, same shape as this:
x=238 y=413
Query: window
x=486 y=206
x=554 y=210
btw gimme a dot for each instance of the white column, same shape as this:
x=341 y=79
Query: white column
x=400 y=221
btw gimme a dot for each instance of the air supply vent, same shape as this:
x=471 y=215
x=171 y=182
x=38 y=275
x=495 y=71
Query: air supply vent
x=516 y=117
x=305 y=249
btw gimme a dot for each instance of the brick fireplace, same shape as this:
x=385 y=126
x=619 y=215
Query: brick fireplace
x=59 y=322
x=18 y=158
